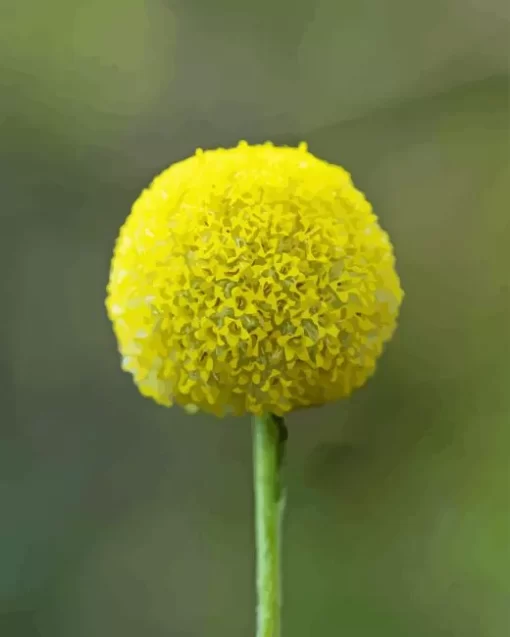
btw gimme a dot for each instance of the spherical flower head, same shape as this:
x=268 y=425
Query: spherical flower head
x=252 y=279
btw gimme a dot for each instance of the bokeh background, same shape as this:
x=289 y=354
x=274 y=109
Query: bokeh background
x=121 y=518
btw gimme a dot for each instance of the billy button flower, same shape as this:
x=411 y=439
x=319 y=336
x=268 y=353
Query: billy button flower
x=254 y=280
x=239 y=263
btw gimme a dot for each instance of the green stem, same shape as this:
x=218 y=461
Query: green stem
x=269 y=435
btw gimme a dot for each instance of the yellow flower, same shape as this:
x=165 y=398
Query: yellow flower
x=252 y=279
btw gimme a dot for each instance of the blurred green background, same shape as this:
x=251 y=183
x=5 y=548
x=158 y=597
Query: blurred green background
x=120 y=518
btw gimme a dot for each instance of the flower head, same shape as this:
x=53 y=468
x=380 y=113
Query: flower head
x=252 y=279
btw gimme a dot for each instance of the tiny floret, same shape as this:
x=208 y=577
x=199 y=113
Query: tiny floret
x=252 y=279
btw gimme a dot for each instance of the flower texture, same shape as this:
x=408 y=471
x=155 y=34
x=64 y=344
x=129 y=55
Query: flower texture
x=252 y=279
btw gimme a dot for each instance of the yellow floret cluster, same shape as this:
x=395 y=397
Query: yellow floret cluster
x=252 y=279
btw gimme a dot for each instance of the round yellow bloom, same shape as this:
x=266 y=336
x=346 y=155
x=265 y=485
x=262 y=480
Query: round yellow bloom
x=252 y=279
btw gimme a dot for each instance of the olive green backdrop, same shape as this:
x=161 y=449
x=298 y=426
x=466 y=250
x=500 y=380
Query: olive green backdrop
x=122 y=519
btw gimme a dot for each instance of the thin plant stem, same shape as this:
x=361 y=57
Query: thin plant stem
x=269 y=436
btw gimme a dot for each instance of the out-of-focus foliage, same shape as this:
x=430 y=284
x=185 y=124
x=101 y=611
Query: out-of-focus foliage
x=121 y=518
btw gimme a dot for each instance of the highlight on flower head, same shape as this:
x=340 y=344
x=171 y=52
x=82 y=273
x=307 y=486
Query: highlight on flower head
x=252 y=279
